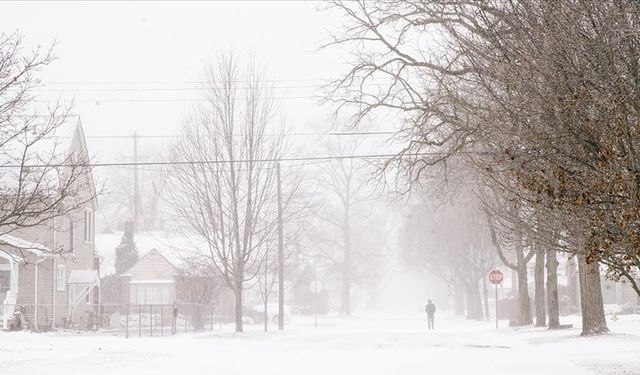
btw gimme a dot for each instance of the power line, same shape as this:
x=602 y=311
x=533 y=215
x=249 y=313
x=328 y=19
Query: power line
x=239 y=161
x=309 y=134
x=172 y=100
x=81 y=83
x=197 y=89
x=289 y=165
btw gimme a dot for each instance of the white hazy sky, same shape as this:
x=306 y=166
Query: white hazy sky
x=129 y=66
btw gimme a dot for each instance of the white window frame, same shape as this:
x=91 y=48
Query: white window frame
x=88 y=226
x=72 y=236
x=61 y=274
x=58 y=223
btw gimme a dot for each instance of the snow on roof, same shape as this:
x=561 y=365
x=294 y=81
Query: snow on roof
x=33 y=247
x=153 y=281
x=84 y=277
x=169 y=246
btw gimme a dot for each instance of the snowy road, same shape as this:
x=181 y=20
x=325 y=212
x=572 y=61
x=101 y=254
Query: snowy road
x=371 y=344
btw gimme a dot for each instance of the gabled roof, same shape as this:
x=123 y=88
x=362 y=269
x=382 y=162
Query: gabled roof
x=172 y=246
x=78 y=138
x=149 y=253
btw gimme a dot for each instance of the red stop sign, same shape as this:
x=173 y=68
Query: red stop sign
x=496 y=277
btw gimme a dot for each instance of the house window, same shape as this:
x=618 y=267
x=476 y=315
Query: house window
x=140 y=295
x=166 y=294
x=60 y=276
x=72 y=237
x=150 y=294
x=58 y=223
x=88 y=226
x=5 y=281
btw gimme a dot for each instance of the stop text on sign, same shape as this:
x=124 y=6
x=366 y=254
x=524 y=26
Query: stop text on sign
x=496 y=277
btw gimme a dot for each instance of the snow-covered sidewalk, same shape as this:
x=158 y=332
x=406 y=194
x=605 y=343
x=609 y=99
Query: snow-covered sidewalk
x=367 y=344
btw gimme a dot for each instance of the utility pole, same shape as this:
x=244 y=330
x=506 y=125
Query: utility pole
x=136 y=206
x=280 y=255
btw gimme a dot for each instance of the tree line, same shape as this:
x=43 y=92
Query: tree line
x=536 y=101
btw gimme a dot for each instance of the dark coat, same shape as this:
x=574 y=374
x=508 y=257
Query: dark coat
x=430 y=309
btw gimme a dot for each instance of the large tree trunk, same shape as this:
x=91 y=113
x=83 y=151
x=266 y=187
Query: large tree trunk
x=524 y=316
x=237 y=292
x=593 y=320
x=541 y=318
x=552 y=289
x=474 y=302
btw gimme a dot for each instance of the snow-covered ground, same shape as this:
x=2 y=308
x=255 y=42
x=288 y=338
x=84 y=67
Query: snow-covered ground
x=364 y=344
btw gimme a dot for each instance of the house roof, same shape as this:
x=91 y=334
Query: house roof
x=153 y=281
x=150 y=253
x=84 y=277
x=171 y=247
x=19 y=243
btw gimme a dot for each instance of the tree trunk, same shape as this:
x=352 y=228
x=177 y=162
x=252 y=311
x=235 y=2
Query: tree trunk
x=237 y=292
x=524 y=303
x=346 y=264
x=552 y=289
x=541 y=318
x=266 y=316
x=572 y=285
x=474 y=303
x=458 y=299
x=593 y=320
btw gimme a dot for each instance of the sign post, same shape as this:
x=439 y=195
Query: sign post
x=496 y=277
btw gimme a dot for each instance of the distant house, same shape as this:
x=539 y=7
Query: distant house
x=50 y=287
x=151 y=281
x=155 y=280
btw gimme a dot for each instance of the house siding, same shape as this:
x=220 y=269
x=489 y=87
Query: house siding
x=151 y=266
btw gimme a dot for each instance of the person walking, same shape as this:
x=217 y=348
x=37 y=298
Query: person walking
x=430 y=309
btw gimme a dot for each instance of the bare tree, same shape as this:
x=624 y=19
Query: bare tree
x=151 y=209
x=197 y=287
x=343 y=185
x=225 y=189
x=40 y=179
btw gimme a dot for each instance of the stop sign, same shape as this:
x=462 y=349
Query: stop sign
x=496 y=277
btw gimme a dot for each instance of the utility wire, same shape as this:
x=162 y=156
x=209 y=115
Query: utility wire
x=46 y=83
x=172 y=100
x=271 y=134
x=213 y=162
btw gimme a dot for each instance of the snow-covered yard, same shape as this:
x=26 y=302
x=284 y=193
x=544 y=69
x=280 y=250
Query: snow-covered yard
x=364 y=344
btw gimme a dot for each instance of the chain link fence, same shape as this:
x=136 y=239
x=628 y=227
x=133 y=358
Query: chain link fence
x=116 y=319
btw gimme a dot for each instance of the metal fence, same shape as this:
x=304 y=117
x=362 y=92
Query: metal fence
x=118 y=319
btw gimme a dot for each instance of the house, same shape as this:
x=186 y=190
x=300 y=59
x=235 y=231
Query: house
x=50 y=286
x=151 y=281
x=156 y=280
